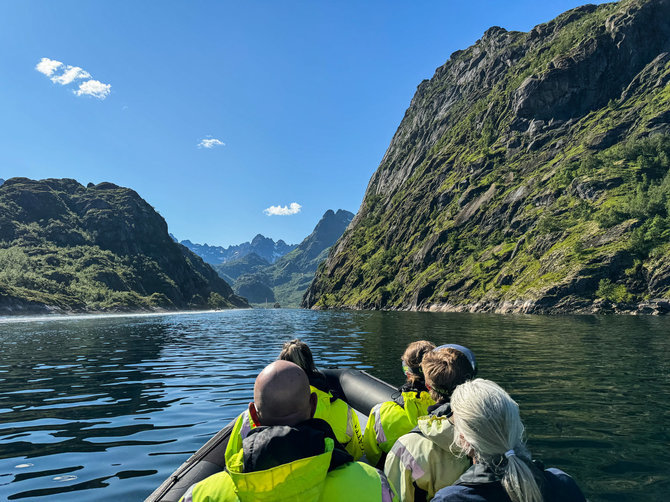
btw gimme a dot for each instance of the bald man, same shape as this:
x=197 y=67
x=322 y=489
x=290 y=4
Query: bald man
x=288 y=455
x=282 y=395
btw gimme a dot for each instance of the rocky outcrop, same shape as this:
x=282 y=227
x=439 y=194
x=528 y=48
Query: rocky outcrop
x=66 y=247
x=529 y=174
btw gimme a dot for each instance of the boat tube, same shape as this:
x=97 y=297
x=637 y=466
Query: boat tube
x=360 y=389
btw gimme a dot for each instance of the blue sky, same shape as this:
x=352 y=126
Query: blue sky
x=303 y=98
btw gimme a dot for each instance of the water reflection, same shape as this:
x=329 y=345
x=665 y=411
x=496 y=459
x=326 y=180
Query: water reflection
x=108 y=407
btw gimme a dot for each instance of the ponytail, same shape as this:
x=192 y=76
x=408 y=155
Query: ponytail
x=518 y=480
x=488 y=427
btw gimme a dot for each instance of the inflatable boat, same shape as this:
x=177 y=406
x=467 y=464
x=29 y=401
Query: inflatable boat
x=360 y=389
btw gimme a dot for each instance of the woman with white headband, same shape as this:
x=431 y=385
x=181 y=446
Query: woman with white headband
x=488 y=429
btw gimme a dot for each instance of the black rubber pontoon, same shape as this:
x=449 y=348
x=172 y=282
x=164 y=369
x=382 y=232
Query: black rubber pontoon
x=360 y=389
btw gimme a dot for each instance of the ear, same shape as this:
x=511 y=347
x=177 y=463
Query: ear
x=313 y=400
x=254 y=414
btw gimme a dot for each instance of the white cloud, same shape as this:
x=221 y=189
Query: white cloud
x=63 y=74
x=48 y=66
x=292 y=208
x=210 y=142
x=70 y=74
x=93 y=88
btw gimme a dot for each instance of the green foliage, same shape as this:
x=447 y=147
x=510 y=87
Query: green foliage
x=571 y=197
x=216 y=301
x=607 y=290
x=114 y=255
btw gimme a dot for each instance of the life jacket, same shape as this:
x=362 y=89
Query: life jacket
x=423 y=461
x=390 y=420
x=302 y=463
x=343 y=420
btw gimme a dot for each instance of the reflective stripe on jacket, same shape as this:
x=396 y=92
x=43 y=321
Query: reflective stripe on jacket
x=388 y=421
x=343 y=419
x=423 y=461
x=243 y=425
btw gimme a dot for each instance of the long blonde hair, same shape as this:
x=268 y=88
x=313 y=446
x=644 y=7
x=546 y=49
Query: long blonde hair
x=487 y=426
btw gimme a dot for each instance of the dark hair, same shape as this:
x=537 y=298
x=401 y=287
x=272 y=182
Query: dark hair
x=444 y=370
x=298 y=352
x=412 y=358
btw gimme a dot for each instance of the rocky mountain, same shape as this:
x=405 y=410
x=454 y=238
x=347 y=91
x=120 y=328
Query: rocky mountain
x=66 y=247
x=264 y=247
x=1 y=181
x=287 y=279
x=529 y=174
x=248 y=264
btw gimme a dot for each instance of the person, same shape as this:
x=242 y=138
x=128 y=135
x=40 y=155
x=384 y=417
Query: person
x=488 y=428
x=389 y=420
x=422 y=461
x=339 y=415
x=290 y=455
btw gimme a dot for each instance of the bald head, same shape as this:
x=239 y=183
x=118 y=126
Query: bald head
x=282 y=395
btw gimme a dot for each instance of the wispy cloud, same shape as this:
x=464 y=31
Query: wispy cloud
x=63 y=74
x=69 y=75
x=292 y=208
x=210 y=142
x=93 y=88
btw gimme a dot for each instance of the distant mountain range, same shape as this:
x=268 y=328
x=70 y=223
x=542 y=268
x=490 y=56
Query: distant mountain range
x=65 y=247
x=288 y=278
x=264 y=247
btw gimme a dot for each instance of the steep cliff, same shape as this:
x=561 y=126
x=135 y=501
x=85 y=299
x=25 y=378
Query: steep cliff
x=66 y=247
x=529 y=174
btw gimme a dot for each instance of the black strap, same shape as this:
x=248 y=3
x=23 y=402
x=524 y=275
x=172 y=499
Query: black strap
x=420 y=495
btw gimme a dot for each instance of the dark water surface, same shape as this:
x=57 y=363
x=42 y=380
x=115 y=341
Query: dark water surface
x=105 y=408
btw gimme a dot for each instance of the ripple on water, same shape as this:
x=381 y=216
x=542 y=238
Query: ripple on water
x=130 y=398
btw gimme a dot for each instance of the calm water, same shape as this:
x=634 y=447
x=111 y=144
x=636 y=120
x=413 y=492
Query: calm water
x=106 y=408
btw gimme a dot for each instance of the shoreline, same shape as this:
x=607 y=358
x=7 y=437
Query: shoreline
x=19 y=318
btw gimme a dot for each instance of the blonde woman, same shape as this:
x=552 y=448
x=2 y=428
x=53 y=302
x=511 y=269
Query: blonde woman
x=488 y=429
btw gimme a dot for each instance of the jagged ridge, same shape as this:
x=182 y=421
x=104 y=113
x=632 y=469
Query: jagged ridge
x=288 y=278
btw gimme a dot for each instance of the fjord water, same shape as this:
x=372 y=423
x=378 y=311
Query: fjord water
x=105 y=408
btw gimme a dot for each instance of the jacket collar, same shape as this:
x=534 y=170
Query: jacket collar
x=440 y=409
x=478 y=474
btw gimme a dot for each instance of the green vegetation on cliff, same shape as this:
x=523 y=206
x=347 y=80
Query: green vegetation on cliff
x=529 y=174
x=66 y=247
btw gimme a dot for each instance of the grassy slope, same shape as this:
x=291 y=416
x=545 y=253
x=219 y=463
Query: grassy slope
x=488 y=216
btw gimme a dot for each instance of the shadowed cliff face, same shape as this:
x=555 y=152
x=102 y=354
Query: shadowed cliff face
x=100 y=247
x=518 y=177
x=286 y=280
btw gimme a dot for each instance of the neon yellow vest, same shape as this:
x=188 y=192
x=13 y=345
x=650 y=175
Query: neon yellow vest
x=306 y=480
x=342 y=419
x=388 y=421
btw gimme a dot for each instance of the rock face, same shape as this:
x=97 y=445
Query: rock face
x=288 y=278
x=264 y=247
x=248 y=264
x=66 y=247
x=530 y=174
